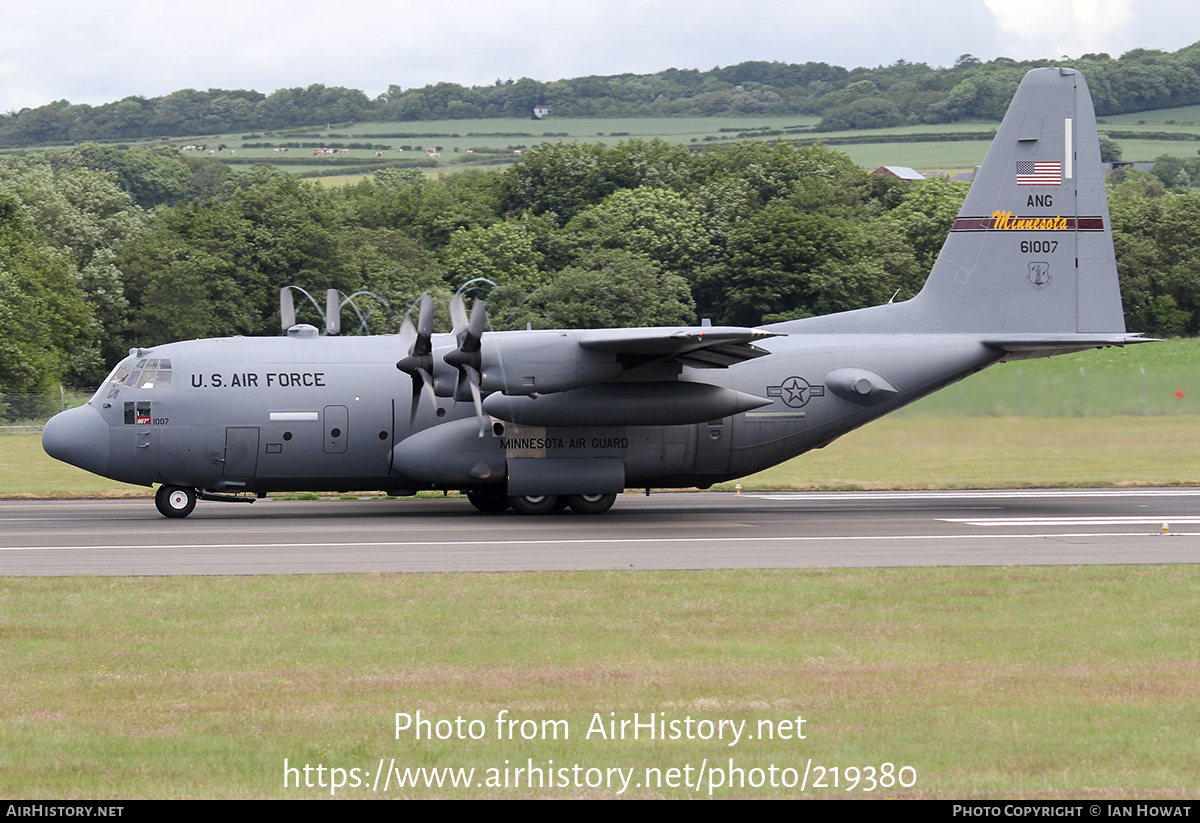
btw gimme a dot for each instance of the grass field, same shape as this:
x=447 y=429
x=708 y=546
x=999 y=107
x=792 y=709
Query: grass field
x=1160 y=378
x=453 y=139
x=1018 y=683
x=1181 y=118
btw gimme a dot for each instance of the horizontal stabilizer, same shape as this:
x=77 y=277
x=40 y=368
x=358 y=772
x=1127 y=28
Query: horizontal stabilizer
x=1028 y=346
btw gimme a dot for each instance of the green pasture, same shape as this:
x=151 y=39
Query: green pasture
x=601 y=129
x=456 y=137
x=945 y=157
x=493 y=141
x=1021 y=683
x=1134 y=381
x=1143 y=151
x=1181 y=118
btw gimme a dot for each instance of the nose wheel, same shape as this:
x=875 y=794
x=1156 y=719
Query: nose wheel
x=175 y=501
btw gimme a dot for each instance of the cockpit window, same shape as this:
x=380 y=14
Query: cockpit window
x=147 y=373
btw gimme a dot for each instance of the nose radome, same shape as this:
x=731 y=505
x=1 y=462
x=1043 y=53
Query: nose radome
x=79 y=437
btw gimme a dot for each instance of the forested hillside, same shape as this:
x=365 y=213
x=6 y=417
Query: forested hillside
x=106 y=248
x=885 y=96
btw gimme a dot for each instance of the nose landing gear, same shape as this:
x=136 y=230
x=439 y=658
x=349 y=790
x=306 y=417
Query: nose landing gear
x=175 y=501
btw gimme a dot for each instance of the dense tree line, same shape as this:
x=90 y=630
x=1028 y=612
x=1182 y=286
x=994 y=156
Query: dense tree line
x=104 y=249
x=845 y=98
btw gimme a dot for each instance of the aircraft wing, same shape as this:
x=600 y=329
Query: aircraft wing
x=704 y=347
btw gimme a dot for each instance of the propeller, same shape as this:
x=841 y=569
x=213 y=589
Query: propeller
x=418 y=342
x=467 y=357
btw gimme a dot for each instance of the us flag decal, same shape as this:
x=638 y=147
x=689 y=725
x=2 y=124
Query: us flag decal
x=1039 y=173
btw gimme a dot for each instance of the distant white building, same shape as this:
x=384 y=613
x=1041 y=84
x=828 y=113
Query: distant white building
x=900 y=172
x=542 y=111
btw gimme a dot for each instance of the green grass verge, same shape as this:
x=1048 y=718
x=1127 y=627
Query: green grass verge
x=972 y=453
x=1148 y=379
x=1022 y=683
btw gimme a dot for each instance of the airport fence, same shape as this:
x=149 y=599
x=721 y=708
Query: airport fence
x=26 y=412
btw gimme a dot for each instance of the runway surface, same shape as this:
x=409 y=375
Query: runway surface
x=662 y=531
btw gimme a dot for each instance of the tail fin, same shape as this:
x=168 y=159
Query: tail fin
x=1029 y=262
x=1031 y=250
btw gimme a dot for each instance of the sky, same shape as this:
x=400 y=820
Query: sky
x=102 y=50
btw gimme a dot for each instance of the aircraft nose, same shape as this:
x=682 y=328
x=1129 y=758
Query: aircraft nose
x=79 y=437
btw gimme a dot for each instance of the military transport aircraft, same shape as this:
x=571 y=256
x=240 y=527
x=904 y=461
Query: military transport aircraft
x=541 y=420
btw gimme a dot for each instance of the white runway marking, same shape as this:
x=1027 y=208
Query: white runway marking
x=1033 y=522
x=999 y=494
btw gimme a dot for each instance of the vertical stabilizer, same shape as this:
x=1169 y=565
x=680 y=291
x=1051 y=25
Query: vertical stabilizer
x=1031 y=250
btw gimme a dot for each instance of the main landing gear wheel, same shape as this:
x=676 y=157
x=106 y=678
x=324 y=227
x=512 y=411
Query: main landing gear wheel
x=488 y=502
x=591 y=503
x=534 y=504
x=175 y=501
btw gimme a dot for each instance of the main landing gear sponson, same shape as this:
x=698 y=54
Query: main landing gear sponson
x=175 y=501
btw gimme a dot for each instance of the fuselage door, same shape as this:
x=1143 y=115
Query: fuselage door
x=241 y=451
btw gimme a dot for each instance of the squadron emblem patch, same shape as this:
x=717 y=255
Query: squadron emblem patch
x=1039 y=275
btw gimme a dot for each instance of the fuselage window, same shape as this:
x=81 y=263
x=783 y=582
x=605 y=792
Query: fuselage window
x=137 y=413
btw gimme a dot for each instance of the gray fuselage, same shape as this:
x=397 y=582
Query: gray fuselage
x=276 y=414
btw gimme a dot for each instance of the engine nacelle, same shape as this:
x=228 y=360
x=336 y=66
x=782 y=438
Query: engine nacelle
x=541 y=362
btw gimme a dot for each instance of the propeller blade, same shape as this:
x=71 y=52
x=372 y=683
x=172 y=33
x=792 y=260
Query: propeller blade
x=473 y=381
x=425 y=326
x=458 y=314
x=408 y=335
x=475 y=327
x=422 y=394
x=333 y=312
x=287 y=308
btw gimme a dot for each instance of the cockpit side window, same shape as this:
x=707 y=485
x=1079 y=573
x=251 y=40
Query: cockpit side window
x=147 y=373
